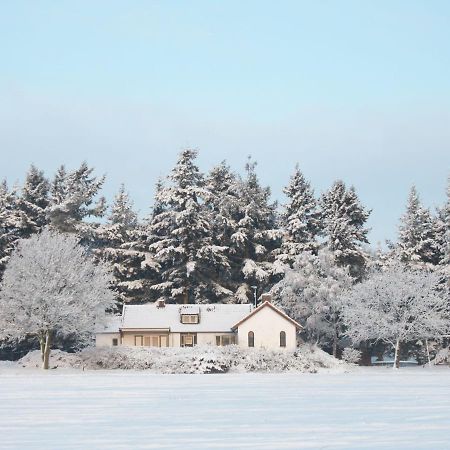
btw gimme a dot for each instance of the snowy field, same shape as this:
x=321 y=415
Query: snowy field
x=373 y=408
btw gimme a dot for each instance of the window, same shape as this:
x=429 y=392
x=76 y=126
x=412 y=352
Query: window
x=189 y=318
x=282 y=339
x=138 y=341
x=155 y=341
x=225 y=339
x=115 y=342
x=251 y=339
x=188 y=339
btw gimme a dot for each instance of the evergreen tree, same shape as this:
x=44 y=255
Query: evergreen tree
x=190 y=262
x=11 y=223
x=123 y=243
x=445 y=260
x=343 y=221
x=300 y=219
x=34 y=202
x=416 y=243
x=72 y=198
x=256 y=239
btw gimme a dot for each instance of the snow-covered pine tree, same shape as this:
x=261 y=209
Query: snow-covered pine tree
x=343 y=221
x=190 y=262
x=11 y=223
x=222 y=199
x=72 y=198
x=416 y=241
x=445 y=259
x=300 y=219
x=34 y=201
x=122 y=242
x=257 y=236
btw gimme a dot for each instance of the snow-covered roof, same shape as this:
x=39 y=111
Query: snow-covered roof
x=111 y=325
x=213 y=317
x=274 y=308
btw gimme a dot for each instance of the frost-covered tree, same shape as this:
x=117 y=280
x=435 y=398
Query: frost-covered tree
x=445 y=240
x=416 y=241
x=311 y=293
x=257 y=236
x=11 y=223
x=184 y=248
x=123 y=242
x=222 y=199
x=343 y=221
x=72 y=198
x=300 y=219
x=34 y=201
x=52 y=288
x=397 y=305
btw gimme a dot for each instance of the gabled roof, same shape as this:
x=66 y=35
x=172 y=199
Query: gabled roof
x=213 y=317
x=274 y=308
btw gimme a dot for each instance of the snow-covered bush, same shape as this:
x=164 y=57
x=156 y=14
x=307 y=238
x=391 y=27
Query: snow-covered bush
x=442 y=357
x=200 y=359
x=351 y=355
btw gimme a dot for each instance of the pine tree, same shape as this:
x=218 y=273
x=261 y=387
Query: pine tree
x=11 y=223
x=445 y=260
x=72 y=198
x=257 y=237
x=122 y=242
x=190 y=262
x=300 y=219
x=34 y=201
x=343 y=220
x=416 y=243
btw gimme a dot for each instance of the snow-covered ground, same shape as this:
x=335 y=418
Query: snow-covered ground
x=373 y=408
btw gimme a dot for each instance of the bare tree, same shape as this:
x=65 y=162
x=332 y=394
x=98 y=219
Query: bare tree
x=397 y=305
x=52 y=287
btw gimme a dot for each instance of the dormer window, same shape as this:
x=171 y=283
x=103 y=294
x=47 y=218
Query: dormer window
x=190 y=318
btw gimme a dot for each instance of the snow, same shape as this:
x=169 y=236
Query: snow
x=373 y=408
x=213 y=317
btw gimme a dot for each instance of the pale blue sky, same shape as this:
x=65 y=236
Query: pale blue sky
x=357 y=90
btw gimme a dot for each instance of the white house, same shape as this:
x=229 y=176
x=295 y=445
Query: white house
x=173 y=325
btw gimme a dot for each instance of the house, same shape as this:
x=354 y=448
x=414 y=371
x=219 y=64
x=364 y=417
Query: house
x=172 y=325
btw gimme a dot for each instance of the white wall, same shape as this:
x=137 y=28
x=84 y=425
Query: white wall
x=105 y=339
x=266 y=324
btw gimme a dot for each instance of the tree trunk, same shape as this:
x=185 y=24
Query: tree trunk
x=42 y=345
x=335 y=342
x=48 y=343
x=397 y=354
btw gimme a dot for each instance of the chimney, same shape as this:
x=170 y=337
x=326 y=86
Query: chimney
x=266 y=298
x=161 y=303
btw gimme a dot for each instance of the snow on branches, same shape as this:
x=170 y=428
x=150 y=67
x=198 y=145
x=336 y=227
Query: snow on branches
x=52 y=288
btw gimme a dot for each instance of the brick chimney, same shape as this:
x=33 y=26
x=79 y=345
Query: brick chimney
x=161 y=303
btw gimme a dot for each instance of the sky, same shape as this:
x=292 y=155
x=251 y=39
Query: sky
x=351 y=90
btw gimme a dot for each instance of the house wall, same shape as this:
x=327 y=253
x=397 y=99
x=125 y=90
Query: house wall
x=128 y=337
x=106 y=339
x=266 y=325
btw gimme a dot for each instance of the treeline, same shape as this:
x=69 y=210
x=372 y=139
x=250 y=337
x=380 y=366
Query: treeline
x=213 y=237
